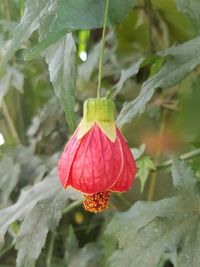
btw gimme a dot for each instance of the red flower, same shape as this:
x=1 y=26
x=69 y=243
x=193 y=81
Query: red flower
x=97 y=159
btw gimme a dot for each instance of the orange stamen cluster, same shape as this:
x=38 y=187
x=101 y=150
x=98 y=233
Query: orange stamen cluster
x=96 y=202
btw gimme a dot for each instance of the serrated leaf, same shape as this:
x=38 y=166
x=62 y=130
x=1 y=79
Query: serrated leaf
x=183 y=178
x=72 y=242
x=180 y=61
x=17 y=79
x=126 y=74
x=192 y=9
x=4 y=84
x=144 y=165
x=43 y=217
x=138 y=152
x=45 y=40
x=29 y=23
x=9 y=176
x=49 y=187
x=149 y=232
x=61 y=59
x=11 y=77
x=32 y=167
x=80 y=15
x=90 y=255
x=44 y=44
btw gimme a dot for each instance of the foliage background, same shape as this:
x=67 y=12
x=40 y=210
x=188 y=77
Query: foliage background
x=151 y=70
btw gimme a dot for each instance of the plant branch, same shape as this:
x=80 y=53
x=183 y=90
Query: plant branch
x=186 y=156
x=7 y=248
x=148 y=9
x=102 y=50
x=50 y=250
x=72 y=206
x=153 y=179
x=9 y=122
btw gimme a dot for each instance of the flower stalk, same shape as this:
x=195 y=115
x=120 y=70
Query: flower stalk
x=102 y=49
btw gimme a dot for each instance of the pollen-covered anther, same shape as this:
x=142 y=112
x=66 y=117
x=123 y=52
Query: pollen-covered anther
x=96 y=202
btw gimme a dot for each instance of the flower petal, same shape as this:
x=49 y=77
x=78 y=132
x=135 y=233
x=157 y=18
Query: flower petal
x=128 y=172
x=66 y=159
x=97 y=162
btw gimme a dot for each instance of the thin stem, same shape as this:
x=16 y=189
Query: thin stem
x=102 y=49
x=7 y=248
x=50 y=250
x=124 y=199
x=186 y=156
x=148 y=9
x=153 y=180
x=20 y=117
x=9 y=122
x=21 y=3
x=72 y=206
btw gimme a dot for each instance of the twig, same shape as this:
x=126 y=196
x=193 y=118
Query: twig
x=72 y=206
x=186 y=156
x=148 y=9
x=50 y=250
x=9 y=122
x=102 y=49
x=153 y=180
x=123 y=199
x=7 y=248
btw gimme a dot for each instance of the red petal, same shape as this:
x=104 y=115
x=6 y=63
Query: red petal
x=128 y=172
x=66 y=159
x=97 y=162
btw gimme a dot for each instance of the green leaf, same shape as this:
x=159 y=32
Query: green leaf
x=61 y=59
x=89 y=14
x=180 y=61
x=184 y=179
x=90 y=255
x=44 y=44
x=4 y=84
x=38 y=221
x=144 y=165
x=17 y=79
x=29 y=23
x=9 y=176
x=32 y=167
x=192 y=9
x=12 y=77
x=138 y=152
x=49 y=188
x=46 y=40
x=71 y=244
x=80 y=15
x=126 y=226
x=167 y=229
x=126 y=74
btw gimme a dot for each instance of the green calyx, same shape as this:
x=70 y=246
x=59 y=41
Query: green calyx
x=100 y=109
x=102 y=112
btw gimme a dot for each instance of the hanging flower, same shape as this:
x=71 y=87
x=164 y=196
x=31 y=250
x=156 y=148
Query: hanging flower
x=97 y=159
